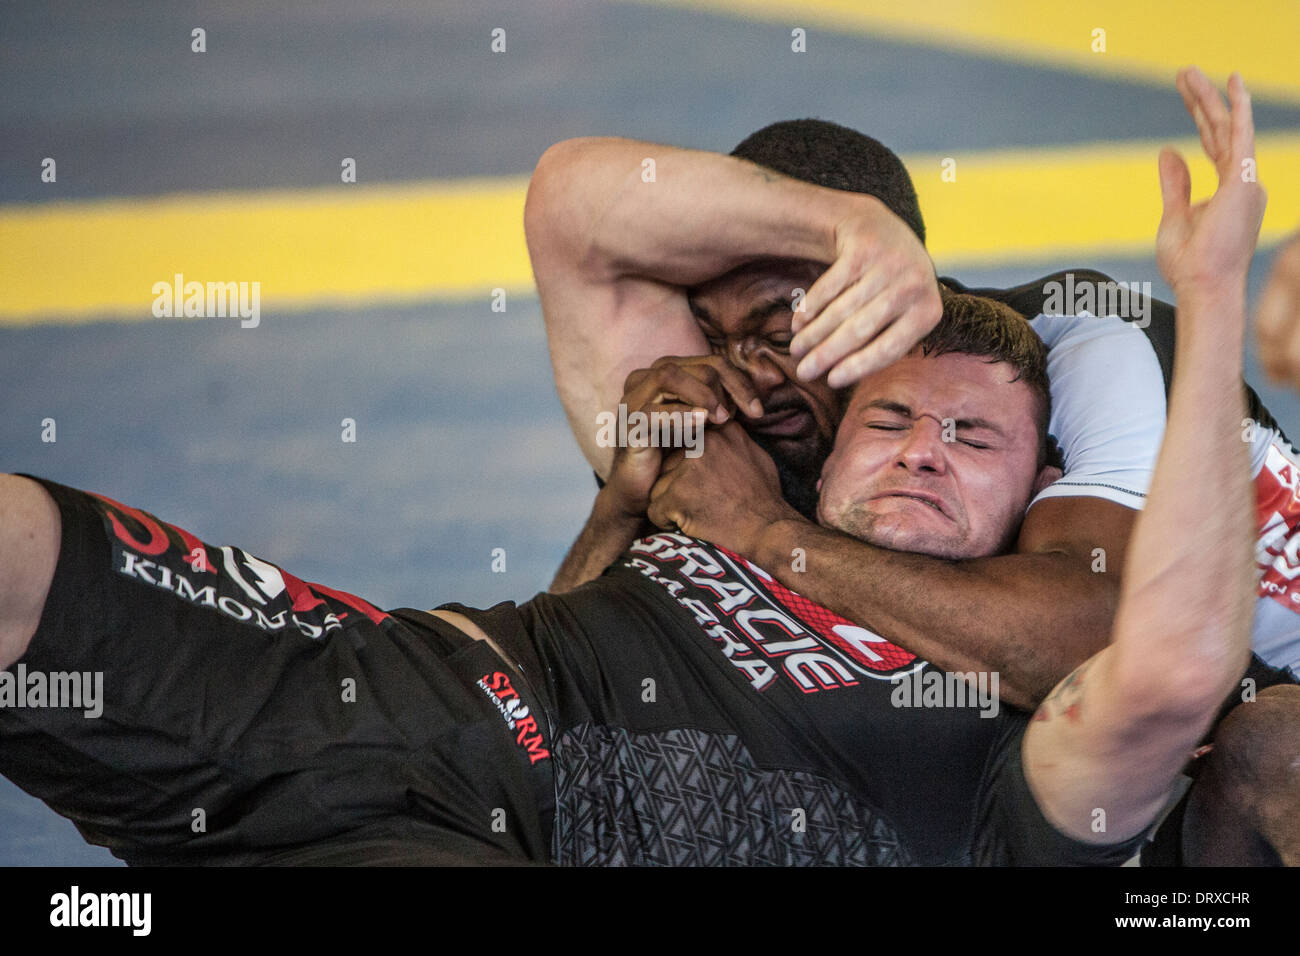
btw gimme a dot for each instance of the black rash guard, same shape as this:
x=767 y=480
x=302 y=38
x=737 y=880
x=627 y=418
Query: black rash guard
x=700 y=713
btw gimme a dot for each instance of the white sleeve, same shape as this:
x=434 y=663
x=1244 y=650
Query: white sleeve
x=1108 y=407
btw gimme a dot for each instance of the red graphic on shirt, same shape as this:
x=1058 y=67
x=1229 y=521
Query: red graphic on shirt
x=866 y=647
x=763 y=629
x=1277 y=510
x=157 y=541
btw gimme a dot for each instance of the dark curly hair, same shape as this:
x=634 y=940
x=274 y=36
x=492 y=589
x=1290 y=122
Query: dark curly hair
x=827 y=154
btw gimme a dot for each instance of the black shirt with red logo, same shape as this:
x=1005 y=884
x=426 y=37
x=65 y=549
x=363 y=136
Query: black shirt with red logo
x=700 y=713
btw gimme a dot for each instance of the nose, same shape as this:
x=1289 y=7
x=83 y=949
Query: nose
x=923 y=448
x=753 y=357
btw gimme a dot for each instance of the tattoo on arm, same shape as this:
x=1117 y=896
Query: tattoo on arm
x=1066 y=699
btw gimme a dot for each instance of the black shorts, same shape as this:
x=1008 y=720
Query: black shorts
x=250 y=717
x=1011 y=829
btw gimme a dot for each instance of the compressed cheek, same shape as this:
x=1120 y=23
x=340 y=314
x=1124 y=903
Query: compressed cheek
x=828 y=409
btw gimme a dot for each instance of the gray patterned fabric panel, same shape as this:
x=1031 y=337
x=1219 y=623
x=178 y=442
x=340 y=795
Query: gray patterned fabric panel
x=688 y=798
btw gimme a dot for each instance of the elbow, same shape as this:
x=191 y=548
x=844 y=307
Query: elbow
x=555 y=214
x=1194 y=685
x=558 y=165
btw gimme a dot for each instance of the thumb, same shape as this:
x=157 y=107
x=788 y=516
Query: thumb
x=1175 y=184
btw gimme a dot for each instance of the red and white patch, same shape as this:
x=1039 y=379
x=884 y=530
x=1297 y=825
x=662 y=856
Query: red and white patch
x=1277 y=511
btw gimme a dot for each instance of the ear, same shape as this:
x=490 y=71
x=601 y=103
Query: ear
x=1046 y=475
x=819 y=485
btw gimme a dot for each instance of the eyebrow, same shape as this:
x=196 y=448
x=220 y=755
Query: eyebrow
x=757 y=314
x=898 y=408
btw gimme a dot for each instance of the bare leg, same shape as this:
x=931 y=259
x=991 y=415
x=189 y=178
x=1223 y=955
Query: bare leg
x=29 y=550
x=1244 y=808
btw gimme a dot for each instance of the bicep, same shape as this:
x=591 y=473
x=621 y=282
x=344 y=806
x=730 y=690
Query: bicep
x=599 y=331
x=1092 y=531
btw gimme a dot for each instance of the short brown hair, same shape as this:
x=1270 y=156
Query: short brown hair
x=972 y=325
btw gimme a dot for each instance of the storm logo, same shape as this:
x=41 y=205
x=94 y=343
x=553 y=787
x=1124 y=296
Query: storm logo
x=515 y=713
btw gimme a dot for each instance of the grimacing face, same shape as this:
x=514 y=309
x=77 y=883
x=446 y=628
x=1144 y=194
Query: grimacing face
x=894 y=482
x=745 y=316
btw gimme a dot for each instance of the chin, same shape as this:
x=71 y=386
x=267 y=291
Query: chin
x=920 y=542
x=887 y=531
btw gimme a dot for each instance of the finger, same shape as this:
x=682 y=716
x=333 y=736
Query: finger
x=1175 y=184
x=673 y=382
x=1243 y=121
x=1212 y=105
x=1194 y=110
x=824 y=291
x=888 y=347
x=707 y=371
x=854 y=334
x=833 y=316
x=724 y=381
x=738 y=385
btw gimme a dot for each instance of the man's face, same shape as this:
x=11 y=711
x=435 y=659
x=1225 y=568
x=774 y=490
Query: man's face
x=893 y=481
x=745 y=316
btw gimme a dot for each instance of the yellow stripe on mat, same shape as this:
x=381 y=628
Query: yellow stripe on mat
x=1145 y=40
x=341 y=246
x=1094 y=199
x=330 y=246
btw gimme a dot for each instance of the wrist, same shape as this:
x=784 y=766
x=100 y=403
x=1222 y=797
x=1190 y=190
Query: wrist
x=613 y=508
x=778 y=539
x=1211 y=316
x=1211 y=291
x=857 y=210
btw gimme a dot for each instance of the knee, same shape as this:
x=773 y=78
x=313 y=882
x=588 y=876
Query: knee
x=29 y=550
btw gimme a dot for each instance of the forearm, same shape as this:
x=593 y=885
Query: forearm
x=1183 y=622
x=608 y=532
x=1029 y=617
x=701 y=216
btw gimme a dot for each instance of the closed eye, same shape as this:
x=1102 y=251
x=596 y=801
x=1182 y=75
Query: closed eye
x=896 y=427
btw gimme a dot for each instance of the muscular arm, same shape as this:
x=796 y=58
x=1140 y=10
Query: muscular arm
x=1107 y=745
x=613 y=253
x=1032 y=616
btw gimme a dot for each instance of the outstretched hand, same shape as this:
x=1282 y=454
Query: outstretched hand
x=1207 y=247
